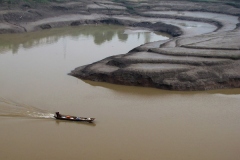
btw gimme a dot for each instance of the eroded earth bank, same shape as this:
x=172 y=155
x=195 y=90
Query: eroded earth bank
x=203 y=53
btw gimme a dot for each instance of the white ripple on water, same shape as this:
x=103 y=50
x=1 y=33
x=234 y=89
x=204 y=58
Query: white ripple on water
x=11 y=108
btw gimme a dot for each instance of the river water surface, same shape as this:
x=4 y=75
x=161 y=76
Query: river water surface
x=132 y=123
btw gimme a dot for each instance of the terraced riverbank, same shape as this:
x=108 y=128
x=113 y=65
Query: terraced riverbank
x=203 y=54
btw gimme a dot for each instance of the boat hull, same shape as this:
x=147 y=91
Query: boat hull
x=77 y=119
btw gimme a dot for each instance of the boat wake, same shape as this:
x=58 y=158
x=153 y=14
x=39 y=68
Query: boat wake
x=10 y=108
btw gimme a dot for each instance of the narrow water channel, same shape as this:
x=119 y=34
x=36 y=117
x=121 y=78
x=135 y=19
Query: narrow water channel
x=132 y=123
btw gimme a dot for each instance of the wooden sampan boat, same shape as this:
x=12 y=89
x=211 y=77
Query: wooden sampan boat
x=73 y=118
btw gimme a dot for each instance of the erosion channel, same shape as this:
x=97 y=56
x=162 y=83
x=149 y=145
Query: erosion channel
x=205 y=58
x=131 y=122
x=171 y=45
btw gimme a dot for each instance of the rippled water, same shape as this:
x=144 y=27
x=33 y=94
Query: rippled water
x=10 y=108
x=131 y=122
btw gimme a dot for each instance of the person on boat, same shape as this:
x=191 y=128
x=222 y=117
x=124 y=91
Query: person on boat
x=58 y=114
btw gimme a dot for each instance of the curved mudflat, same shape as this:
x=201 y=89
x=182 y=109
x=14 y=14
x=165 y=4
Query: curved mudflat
x=203 y=54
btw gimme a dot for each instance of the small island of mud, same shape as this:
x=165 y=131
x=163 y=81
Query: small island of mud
x=205 y=58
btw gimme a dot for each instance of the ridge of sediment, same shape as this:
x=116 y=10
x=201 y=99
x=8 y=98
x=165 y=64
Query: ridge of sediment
x=203 y=54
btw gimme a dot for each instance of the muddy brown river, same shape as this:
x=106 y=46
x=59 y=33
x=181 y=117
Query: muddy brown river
x=132 y=123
